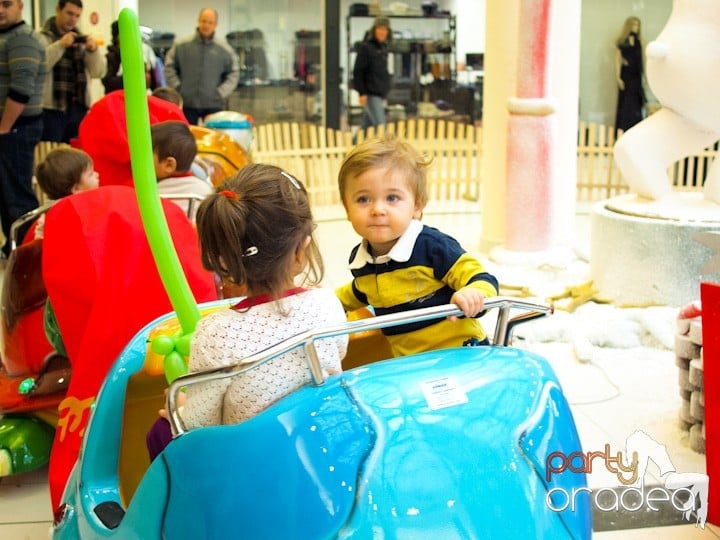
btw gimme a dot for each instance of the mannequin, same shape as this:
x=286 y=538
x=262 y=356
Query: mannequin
x=683 y=71
x=629 y=75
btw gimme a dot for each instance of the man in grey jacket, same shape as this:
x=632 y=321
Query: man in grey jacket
x=204 y=69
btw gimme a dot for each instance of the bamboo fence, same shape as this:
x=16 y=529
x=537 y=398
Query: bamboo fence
x=599 y=178
x=314 y=154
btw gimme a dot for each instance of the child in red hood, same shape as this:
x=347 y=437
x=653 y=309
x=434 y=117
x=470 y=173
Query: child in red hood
x=103 y=135
x=112 y=287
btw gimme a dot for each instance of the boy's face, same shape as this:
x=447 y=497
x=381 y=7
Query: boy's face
x=89 y=179
x=380 y=205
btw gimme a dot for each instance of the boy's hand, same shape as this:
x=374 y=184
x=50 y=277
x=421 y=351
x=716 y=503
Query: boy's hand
x=470 y=300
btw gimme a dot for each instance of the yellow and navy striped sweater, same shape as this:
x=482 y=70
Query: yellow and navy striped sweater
x=427 y=274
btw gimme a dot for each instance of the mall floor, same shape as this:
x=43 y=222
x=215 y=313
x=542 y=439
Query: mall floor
x=616 y=390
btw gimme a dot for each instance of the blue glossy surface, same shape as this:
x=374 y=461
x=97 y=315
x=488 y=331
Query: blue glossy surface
x=460 y=472
x=363 y=456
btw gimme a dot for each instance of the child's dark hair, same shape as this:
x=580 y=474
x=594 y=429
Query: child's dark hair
x=168 y=93
x=174 y=139
x=387 y=151
x=60 y=171
x=254 y=225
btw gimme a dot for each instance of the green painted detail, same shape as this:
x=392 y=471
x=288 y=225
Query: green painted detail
x=26 y=386
x=25 y=444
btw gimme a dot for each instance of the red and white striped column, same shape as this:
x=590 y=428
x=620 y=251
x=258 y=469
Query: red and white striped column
x=530 y=136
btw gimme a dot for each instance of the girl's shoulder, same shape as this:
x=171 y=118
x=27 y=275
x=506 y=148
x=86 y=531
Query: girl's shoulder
x=215 y=317
x=321 y=301
x=311 y=299
x=317 y=292
x=312 y=296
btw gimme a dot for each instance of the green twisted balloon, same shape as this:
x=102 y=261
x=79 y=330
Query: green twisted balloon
x=143 y=171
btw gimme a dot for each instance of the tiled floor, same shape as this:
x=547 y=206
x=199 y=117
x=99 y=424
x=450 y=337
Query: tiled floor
x=620 y=390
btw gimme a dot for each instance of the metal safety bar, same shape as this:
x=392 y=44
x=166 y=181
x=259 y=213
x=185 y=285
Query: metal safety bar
x=193 y=199
x=23 y=220
x=307 y=339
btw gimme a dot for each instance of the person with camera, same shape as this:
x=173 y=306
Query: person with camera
x=73 y=60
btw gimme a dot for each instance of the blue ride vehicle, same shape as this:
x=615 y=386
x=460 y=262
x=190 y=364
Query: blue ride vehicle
x=448 y=444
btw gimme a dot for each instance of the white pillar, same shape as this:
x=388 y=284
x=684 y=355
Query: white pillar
x=498 y=83
x=512 y=79
x=564 y=87
x=531 y=136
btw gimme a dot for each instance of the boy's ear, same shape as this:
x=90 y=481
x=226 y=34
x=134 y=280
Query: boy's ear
x=168 y=166
x=419 y=207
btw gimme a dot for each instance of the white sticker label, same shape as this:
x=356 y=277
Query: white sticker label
x=443 y=392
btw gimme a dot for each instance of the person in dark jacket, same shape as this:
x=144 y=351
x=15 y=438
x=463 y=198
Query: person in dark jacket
x=371 y=77
x=113 y=79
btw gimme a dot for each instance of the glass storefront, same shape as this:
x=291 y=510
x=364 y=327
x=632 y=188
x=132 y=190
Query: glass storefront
x=278 y=43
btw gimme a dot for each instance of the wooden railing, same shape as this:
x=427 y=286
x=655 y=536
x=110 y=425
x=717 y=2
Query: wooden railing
x=311 y=152
x=599 y=178
x=455 y=149
x=315 y=154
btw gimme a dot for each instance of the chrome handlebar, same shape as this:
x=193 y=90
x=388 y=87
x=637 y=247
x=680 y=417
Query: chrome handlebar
x=503 y=330
x=22 y=220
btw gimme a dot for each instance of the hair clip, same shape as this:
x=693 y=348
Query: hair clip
x=230 y=194
x=293 y=181
x=249 y=252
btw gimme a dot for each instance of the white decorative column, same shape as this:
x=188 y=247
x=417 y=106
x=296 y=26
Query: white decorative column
x=498 y=83
x=534 y=207
x=531 y=136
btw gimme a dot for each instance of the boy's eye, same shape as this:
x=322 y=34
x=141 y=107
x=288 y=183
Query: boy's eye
x=393 y=198
x=363 y=199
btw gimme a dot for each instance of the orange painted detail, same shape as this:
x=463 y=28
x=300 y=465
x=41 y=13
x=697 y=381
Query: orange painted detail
x=73 y=416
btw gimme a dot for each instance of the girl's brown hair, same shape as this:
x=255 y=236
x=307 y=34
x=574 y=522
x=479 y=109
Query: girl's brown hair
x=387 y=151
x=251 y=229
x=60 y=171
